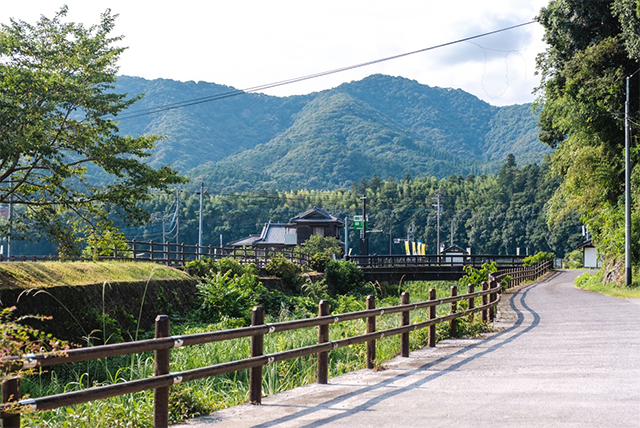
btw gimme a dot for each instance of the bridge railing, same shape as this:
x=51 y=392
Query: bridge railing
x=12 y=407
x=178 y=254
x=436 y=260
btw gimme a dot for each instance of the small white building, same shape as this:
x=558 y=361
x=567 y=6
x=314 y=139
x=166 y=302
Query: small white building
x=590 y=257
x=455 y=255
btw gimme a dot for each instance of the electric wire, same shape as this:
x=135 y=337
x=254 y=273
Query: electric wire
x=236 y=92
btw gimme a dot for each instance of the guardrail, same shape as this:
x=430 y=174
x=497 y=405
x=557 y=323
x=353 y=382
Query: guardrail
x=163 y=342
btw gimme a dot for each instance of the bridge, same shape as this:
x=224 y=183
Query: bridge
x=397 y=268
x=561 y=357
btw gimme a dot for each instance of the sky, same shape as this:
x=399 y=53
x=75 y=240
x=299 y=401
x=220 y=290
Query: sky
x=247 y=43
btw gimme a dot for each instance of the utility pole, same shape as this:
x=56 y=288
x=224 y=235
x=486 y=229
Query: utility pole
x=346 y=237
x=364 y=242
x=200 y=220
x=391 y=234
x=10 y=219
x=164 y=235
x=627 y=192
x=438 y=210
x=451 y=234
x=177 y=216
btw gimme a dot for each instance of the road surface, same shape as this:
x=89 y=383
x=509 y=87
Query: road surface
x=564 y=357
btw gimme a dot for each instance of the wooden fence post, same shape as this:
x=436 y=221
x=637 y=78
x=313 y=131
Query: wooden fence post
x=161 y=395
x=485 y=313
x=323 y=337
x=257 y=348
x=11 y=392
x=404 y=320
x=432 y=315
x=472 y=301
x=492 y=298
x=371 y=327
x=453 y=309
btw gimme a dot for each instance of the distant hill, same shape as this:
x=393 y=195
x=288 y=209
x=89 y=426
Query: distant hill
x=383 y=125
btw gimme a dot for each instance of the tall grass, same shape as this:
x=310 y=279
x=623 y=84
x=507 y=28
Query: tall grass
x=206 y=395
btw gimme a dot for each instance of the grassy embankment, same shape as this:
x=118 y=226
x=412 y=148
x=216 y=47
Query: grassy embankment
x=593 y=281
x=52 y=274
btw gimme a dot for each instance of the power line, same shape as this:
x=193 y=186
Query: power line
x=195 y=101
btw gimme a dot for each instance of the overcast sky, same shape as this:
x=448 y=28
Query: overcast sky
x=246 y=43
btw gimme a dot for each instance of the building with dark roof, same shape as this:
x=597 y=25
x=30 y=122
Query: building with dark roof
x=315 y=221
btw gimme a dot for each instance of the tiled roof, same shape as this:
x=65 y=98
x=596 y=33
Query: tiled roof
x=314 y=215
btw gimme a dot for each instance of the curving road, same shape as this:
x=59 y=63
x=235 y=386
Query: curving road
x=563 y=358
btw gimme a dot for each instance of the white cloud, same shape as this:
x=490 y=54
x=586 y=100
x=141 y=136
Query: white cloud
x=246 y=43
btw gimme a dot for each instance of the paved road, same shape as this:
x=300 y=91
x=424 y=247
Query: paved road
x=564 y=358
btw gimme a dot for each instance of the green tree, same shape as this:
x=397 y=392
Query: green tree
x=592 y=48
x=62 y=162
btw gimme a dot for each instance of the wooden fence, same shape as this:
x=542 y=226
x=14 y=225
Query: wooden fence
x=521 y=275
x=179 y=254
x=163 y=342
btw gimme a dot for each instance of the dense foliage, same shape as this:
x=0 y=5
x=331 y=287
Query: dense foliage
x=593 y=47
x=491 y=214
x=58 y=133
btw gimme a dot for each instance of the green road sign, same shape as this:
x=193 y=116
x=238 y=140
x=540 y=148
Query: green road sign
x=357 y=222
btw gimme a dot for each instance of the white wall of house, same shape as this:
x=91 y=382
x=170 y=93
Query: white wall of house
x=590 y=258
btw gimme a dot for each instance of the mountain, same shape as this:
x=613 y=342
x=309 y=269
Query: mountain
x=383 y=125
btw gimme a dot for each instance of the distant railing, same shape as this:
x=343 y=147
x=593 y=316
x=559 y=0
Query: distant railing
x=178 y=254
x=437 y=260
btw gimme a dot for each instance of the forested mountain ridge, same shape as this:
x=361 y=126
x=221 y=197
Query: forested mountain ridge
x=390 y=126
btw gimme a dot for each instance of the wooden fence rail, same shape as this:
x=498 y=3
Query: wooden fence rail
x=162 y=344
x=518 y=276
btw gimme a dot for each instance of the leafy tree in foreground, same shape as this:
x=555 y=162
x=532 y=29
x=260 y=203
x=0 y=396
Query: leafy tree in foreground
x=593 y=47
x=57 y=107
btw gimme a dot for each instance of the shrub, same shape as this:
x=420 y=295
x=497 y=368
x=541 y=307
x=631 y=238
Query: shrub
x=317 y=244
x=108 y=243
x=343 y=277
x=17 y=339
x=227 y=296
x=208 y=268
x=318 y=261
x=573 y=260
x=539 y=257
x=476 y=276
x=288 y=272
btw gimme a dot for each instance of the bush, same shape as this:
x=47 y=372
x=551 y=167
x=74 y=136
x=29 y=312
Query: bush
x=317 y=244
x=288 y=272
x=107 y=244
x=208 y=268
x=539 y=257
x=573 y=260
x=477 y=276
x=229 y=296
x=343 y=277
x=319 y=261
